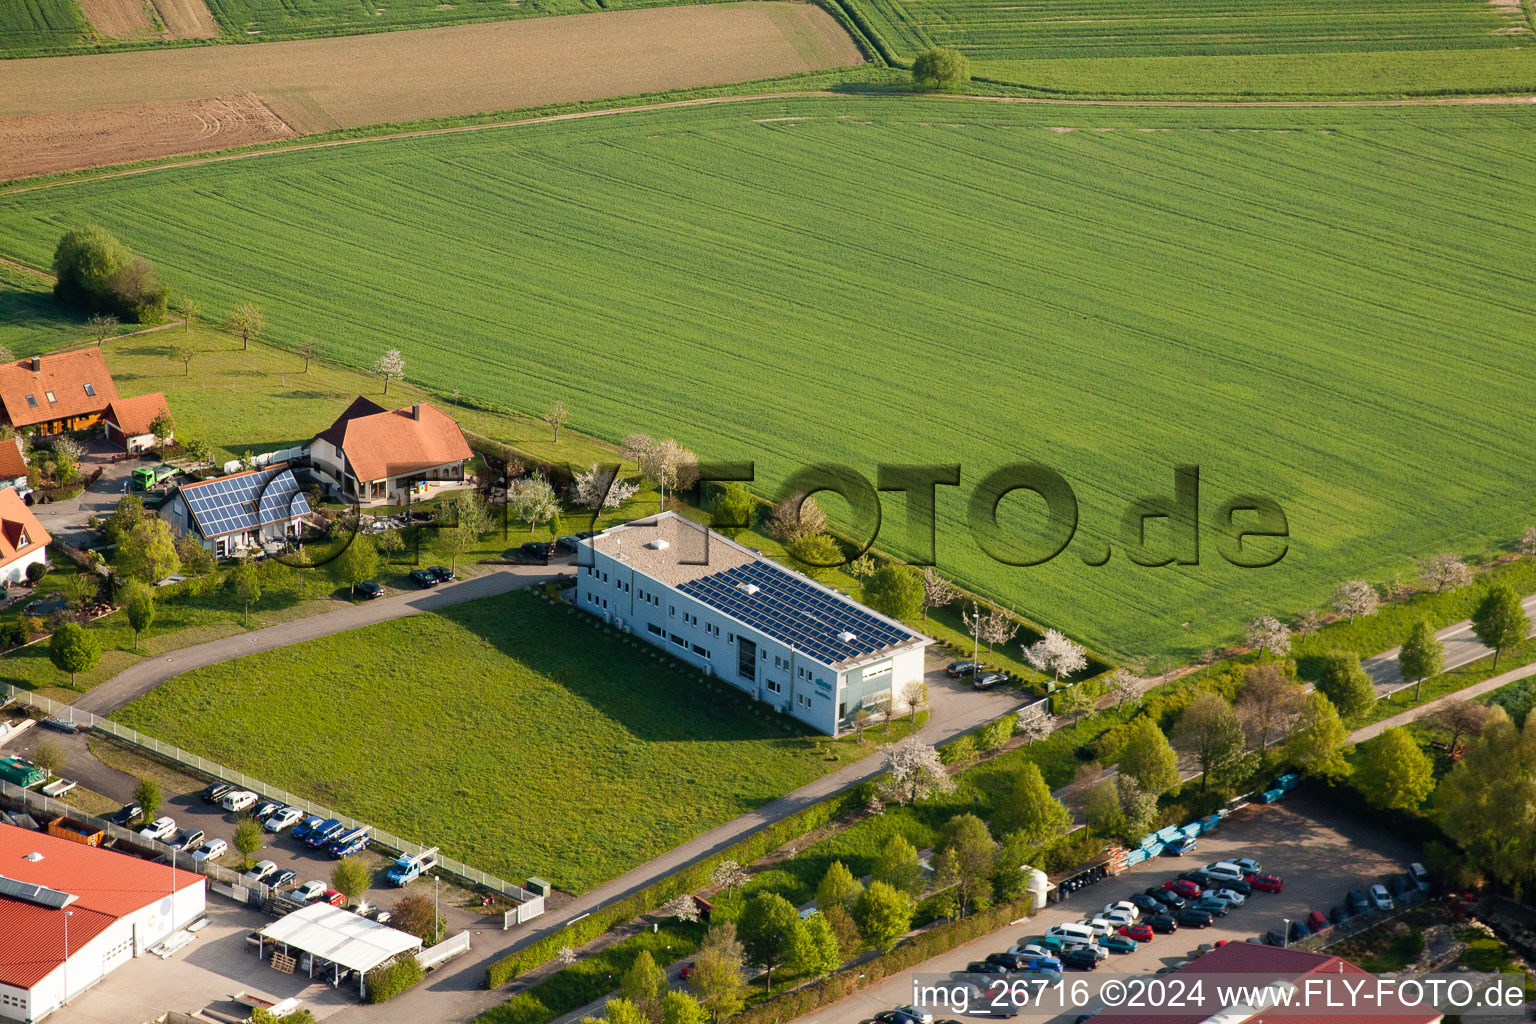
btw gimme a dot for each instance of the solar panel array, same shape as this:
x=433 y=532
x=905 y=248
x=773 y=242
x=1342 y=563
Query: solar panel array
x=33 y=893
x=228 y=504
x=794 y=612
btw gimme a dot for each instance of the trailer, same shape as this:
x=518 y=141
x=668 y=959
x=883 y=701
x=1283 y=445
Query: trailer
x=18 y=771
x=408 y=868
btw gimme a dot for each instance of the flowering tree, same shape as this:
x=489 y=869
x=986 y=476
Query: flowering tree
x=728 y=875
x=993 y=626
x=390 y=366
x=1442 y=571
x=600 y=488
x=1355 y=597
x=683 y=907
x=1527 y=543
x=566 y=956
x=795 y=517
x=1057 y=655
x=1123 y=686
x=664 y=463
x=937 y=590
x=1268 y=633
x=915 y=771
x=532 y=499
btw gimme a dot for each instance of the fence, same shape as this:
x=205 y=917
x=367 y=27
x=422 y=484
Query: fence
x=1359 y=923
x=215 y=770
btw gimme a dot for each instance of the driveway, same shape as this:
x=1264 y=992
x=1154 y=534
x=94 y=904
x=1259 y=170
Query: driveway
x=66 y=519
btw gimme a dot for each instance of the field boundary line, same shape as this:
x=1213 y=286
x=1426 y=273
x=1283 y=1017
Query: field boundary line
x=33 y=271
x=750 y=97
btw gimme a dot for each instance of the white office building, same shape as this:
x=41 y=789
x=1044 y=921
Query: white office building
x=778 y=636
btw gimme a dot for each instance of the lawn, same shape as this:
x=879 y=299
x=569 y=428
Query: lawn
x=550 y=747
x=1319 y=306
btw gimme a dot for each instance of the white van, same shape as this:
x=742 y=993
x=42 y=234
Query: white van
x=1224 y=870
x=239 y=800
x=1072 y=932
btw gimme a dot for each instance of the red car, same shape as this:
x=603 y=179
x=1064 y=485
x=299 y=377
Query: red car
x=1318 y=921
x=333 y=897
x=1267 y=883
x=1139 y=932
x=1183 y=886
x=686 y=972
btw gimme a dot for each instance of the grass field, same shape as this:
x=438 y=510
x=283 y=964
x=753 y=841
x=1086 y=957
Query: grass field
x=1315 y=305
x=34 y=26
x=551 y=748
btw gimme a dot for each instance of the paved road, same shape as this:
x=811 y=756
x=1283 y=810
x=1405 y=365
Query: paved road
x=1467 y=693
x=1461 y=648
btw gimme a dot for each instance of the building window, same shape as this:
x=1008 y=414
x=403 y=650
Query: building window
x=776 y=687
x=701 y=652
x=52 y=398
x=655 y=629
x=678 y=640
x=31 y=402
x=672 y=610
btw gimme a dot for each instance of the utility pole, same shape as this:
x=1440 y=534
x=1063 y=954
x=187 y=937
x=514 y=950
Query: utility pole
x=67 y=915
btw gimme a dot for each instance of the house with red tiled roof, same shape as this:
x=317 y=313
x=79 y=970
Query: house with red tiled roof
x=23 y=541
x=371 y=454
x=56 y=392
x=13 y=464
x=70 y=913
x=129 y=422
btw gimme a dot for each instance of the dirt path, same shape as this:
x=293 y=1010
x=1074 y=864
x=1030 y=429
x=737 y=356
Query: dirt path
x=33 y=271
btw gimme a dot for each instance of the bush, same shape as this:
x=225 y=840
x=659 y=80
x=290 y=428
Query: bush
x=384 y=983
x=942 y=67
x=35 y=573
x=520 y=1009
x=99 y=274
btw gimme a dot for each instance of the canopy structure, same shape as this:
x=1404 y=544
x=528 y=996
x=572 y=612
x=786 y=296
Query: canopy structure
x=340 y=938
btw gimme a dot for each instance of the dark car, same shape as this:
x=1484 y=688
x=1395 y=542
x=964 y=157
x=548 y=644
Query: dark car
x=1274 y=939
x=1171 y=900
x=1080 y=960
x=1298 y=931
x=1141 y=901
x=424 y=578
x=1012 y=961
x=1337 y=915
x=536 y=549
x=567 y=545
x=368 y=591
x=281 y=878
x=1357 y=902
x=956 y=669
x=1241 y=888
x=985 y=967
x=1401 y=887
x=987 y=680
x=896 y=1017
x=217 y=791
x=1195 y=918
x=443 y=573
x=187 y=839
x=59 y=724
x=1216 y=908
x=1163 y=924
x=126 y=814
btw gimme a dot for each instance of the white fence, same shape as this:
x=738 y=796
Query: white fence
x=212 y=768
x=444 y=951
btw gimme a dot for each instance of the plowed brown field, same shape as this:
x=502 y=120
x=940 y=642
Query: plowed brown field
x=320 y=84
x=118 y=18
x=187 y=19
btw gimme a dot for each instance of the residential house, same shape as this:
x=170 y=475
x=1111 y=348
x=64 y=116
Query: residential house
x=776 y=635
x=23 y=541
x=230 y=515
x=372 y=455
x=57 y=392
x=128 y=422
x=13 y=465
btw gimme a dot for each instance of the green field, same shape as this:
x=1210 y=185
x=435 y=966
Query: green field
x=281 y=19
x=518 y=736
x=1322 y=306
x=30 y=26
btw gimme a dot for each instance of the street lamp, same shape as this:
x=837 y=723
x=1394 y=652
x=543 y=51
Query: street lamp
x=67 y=915
x=1285 y=933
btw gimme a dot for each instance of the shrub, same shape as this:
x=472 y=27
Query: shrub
x=35 y=572
x=942 y=67
x=99 y=274
x=384 y=983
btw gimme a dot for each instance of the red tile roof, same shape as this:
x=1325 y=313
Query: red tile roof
x=12 y=463
x=106 y=885
x=20 y=532
x=383 y=444
x=67 y=375
x=134 y=415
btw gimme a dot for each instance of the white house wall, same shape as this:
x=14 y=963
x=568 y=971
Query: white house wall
x=15 y=570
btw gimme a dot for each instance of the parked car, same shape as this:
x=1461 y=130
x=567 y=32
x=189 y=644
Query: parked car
x=1172 y=900
x=1380 y=898
x=1036 y=965
x=1193 y=918
x=894 y=1017
x=1124 y=906
x=985 y=967
x=1337 y=915
x=1357 y=902
x=1163 y=924
x=334 y=897
x=1146 y=903
x=1273 y=938
x=280 y=878
x=239 y=800
x=1419 y=875
x=368 y=590
x=1181 y=846
x=536 y=550
x=303 y=828
x=1299 y=931
x=1092 y=947
x=1012 y=961
x=216 y=791
x=1317 y=921
x=956 y=669
x=1031 y=949
x=282 y=819
x=423 y=578
x=1268 y=883
x=1401 y=886
x=187 y=839
x=921 y=1015
x=213 y=849
x=160 y=828
x=1183 y=886
x=1080 y=960
x=1249 y=865
x=267 y=809
x=126 y=813
x=309 y=891
x=1231 y=896
x=443 y=573
x=1140 y=931
x=258 y=872
x=1118 y=943
x=58 y=724
x=1216 y=908
x=987 y=680
x=324 y=832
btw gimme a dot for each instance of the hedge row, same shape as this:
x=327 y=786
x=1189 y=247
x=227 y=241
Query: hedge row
x=854 y=978
x=384 y=983
x=687 y=880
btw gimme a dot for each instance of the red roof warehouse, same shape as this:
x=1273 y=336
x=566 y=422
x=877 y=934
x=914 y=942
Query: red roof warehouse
x=108 y=907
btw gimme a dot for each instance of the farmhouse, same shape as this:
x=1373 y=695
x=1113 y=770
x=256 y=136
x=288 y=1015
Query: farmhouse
x=70 y=913
x=129 y=422
x=371 y=454
x=23 y=541
x=57 y=392
x=232 y=514
x=773 y=633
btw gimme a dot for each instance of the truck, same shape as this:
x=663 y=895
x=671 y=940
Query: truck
x=350 y=842
x=409 y=868
x=324 y=832
x=145 y=478
x=18 y=771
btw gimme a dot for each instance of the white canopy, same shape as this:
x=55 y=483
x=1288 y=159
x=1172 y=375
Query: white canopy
x=340 y=936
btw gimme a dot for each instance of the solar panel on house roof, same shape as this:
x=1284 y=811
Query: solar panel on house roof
x=32 y=893
x=229 y=504
x=795 y=612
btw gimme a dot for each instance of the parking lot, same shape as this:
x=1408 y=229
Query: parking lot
x=1319 y=852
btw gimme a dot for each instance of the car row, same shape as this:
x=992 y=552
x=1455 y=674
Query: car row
x=1379 y=897
x=431 y=576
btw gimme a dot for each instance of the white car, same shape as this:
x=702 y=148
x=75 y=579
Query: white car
x=1231 y=897
x=159 y=828
x=1119 y=919
x=284 y=818
x=1419 y=875
x=262 y=869
x=239 y=800
x=1094 y=948
x=1249 y=865
x=213 y=849
x=1099 y=926
x=1380 y=898
x=309 y=891
x=922 y=1015
x=1125 y=907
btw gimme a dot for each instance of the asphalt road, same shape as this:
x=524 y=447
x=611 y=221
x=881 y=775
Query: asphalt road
x=1462 y=647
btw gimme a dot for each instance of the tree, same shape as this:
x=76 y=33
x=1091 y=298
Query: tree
x=1268 y=702
x=1500 y=621
x=732 y=509
x=861 y=718
x=1355 y=597
x=1010 y=878
x=1442 y=571
x=247 y=587
x=299 y=1016
x=1488 y=800
x=837 y=888
x=1527 y=543
x=358 y=562
x=898 y=866
x=306 y=352
x=139 y=602
x=351 y=877
x=623 y=1011
x=1268 y=634
x=896 y=591
x=1345 y=683
x=796 y=516
x=683 y=906
x=246 y=321
x=644 y=984
x=103 y=326
x=557 y=416
x=196 y=560
x=883 y=914
x=1421 y=656
x=941 y=68
x=147 y=552
x=814 y=950
x=718 y=979
x=416 y=914
x=1319 y=741
x=1210 y=731
x=531 y=499
x=1028 y=809
x=1393 y=772
x=147 y=795
x=49 y=756
x=1032 y=725
x=1460 y=718
x=1102 y=811
x=914 y=694
x=1122 y=686
x=163 y=427
x=767 y=929
x=1056 y=654
x=72 y=649
x=994 y=626
x=185 y=353
x=1074 y=701
x=189 y=312
x=665 y=463
x=390 y=366
x=966 y=860
x=937 y=591
x=915 y=770
x=249 y=838
x=79 y=590
x=681 y=1008
x=849 y=941
x=1140 y=808
x=1149 y=758
x=600 y=488
x=96 y=272
x=817 y=554
x=861 y=568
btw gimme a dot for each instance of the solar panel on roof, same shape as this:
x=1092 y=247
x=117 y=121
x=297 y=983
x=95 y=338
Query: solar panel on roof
x=238 y=503
x=33 y=893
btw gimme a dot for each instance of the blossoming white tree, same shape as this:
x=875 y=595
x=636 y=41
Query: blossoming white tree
x=915 y=771
x=598 y=488
x=1268 y=633
x=1355 y=597
x=1056 y=654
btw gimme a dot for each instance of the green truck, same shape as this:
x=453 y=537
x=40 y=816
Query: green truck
x=145 y=478
x=20 y=772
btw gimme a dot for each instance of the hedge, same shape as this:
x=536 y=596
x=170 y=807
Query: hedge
x=384 y=983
